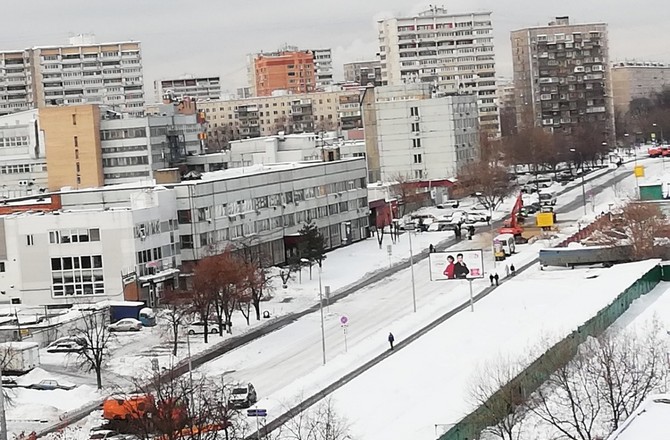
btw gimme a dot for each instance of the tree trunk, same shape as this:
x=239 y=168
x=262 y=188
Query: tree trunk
x=175 y=336
x=98 y=375
x=257 y=306
x=206 y=329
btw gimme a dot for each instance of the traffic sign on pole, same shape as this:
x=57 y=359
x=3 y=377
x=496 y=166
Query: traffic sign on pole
x=257 y=412
x=344 y=321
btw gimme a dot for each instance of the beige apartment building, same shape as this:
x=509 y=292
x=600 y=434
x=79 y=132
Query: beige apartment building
x=294 y=113
x=634 y=80
x=81 y=72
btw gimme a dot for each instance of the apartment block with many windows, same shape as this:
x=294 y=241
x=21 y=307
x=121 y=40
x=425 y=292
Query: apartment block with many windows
x=562 y=76
x=82 y=72
x=637 y=80
x=197 y=88
x=455 y=52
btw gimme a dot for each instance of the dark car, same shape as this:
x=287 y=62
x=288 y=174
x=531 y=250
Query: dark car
x=48 y=385
x=8 y=382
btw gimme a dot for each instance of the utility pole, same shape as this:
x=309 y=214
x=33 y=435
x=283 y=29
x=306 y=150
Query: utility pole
x=3 y=419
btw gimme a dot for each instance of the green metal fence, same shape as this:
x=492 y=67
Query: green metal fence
x=558 y=355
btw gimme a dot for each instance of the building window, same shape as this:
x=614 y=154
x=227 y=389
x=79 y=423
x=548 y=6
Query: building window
x=415 y=127
x=417 y=158
x=74 y=119
x=414 y=111
x=416 y=143
x=184 y=216
x=2 y=266
x=186 y=241
x=30 y=240
x=418 y=174
x=79 y=275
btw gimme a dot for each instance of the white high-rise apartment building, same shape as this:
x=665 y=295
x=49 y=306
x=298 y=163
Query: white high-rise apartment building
x=451 y=51
x=323 y=67
x=81 y=72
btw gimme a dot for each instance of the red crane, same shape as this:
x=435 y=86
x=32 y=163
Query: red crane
x=511 y=225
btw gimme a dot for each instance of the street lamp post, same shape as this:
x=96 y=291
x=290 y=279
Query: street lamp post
x=410 y=228
x=323 y=331
x=581 y=161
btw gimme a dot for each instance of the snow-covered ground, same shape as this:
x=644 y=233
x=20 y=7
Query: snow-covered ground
x=426 y=385
x=288 y=362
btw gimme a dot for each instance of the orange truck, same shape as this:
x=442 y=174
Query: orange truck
x=124 y=411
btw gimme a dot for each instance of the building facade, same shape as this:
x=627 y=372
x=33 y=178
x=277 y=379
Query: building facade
x=455 y=52
x=78 y=73
x=290 y=113
x=364 y=73
x=292 y=71
x=88 y=146
x=412 y=135
x=561 y=75
x=323 y=68
x=197 y=88
x=292 y=148
x=84 y=251
x=637 y=80
x=507 y=106
x=265 y=206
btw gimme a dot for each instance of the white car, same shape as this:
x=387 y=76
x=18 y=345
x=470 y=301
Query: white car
x=125 y=325
x=477 y=217
x=198 y=328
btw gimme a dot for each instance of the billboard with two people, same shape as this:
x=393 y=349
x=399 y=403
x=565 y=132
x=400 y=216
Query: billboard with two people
x=456 y=265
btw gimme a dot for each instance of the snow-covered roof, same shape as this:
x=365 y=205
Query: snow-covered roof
x=648 y=422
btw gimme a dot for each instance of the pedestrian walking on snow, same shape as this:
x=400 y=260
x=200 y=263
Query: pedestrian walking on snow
x=491 y=279
x=391 y=339
x=512 y=269
x=497 y=279
x=506 y=270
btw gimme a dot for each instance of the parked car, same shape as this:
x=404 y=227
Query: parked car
x=440 y=226
x=198 y=328
x=126 y=325
x=106 y=434
x=48 y=385
x=477 y=217
x=8 y=382
x=242 y=396
x=65 y=347
x=76 y=339
x=458 y=217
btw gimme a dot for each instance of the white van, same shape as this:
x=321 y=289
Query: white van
x=503 y=246
x=547 y=198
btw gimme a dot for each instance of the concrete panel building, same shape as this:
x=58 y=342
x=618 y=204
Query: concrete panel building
x=364 y=72
x=292 y=71
x=413 y=135
x=82 y=72
x=291 y=113
x=636 y=80
x=198 y=88
x=562 y=76
x=455 y=52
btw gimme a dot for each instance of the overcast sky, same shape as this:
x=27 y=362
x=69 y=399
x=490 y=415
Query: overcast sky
x=212 y=37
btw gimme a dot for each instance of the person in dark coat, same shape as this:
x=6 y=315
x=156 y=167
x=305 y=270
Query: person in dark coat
x=491 y=279
x=460 y=269
x=512 y=269
x=497 y=279
x=391 y=339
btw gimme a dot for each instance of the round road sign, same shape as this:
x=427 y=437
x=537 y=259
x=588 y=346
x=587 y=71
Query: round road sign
x=344 y=320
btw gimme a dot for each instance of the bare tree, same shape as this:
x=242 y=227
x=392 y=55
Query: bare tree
x=177 y=308
x=94 y=332
x=406 y=193
x=489 y=182
x=178 y=408
x=502 y=405
x=629 y=368
x=640 y=225
x=321 y=422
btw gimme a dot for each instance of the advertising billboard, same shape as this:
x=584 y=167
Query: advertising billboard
x=457 y=265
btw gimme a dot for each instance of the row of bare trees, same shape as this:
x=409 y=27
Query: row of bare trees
x=645 y=116
x=586 y=396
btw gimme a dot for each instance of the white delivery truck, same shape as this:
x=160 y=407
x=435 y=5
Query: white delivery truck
x=19 y=357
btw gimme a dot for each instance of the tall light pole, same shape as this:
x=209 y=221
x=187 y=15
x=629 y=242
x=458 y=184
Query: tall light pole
x=3 y=419
x=410 y=228
x=323 y=331
x=581 y=161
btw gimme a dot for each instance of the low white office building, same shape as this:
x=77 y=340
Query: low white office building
x=93 y=246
